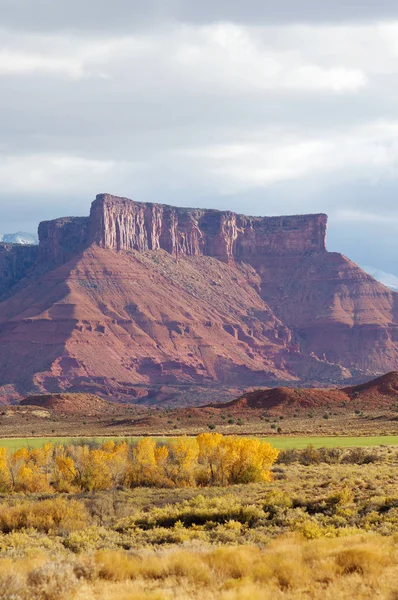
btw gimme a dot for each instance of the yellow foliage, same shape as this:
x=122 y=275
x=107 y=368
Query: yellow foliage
x=234 y=459
x=209 y=459
x=183 y=456
x=46 y=515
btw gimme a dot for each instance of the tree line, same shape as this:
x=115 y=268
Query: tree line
x=209 y=459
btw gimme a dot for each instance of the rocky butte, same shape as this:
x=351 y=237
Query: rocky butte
x=151 y=302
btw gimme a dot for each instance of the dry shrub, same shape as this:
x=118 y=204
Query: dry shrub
x=247 y=591
x=189 y=565
x=53 y=581
x=319 y=556
x=283 y=563
x=232 y=563
x=125 y=591
x=116 y=566
x=288 y=568
x=56 y=514
x=152 y=567
x=140 y=595
x=85 y=568
x=360 y=456
x=365 y=560
x=12 y=587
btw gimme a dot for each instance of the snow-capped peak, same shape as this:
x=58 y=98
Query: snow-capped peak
x=20 y=237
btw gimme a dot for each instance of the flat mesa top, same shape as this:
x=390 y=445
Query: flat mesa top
x=119 y=199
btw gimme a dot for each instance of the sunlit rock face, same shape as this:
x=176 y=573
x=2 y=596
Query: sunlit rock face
x=143 y=301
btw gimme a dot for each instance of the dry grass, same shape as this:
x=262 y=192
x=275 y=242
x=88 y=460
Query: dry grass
x=291 y=568
x=318 y=531
x=52 y=515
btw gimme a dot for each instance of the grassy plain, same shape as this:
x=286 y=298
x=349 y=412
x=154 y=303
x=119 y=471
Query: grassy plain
x=279 y=442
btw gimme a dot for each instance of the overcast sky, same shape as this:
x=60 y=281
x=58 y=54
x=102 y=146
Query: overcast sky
x=265 y=108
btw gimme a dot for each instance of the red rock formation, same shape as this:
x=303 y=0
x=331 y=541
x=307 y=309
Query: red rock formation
x=138 y=297
x=121 y=224
x=86 y=405
x=15 y=262
x=378 y=393
x=61 y=239
x=337 y=311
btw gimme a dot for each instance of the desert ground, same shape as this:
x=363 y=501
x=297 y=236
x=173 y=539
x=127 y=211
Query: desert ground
x=325 y=526
x=288 y=494
x=129 y=421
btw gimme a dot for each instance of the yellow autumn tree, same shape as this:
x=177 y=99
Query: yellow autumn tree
x=143 y=469
x=209 y=459
x=16 y=462
x=182 y=461
x=253 y=461
x=117 y=462
x=108 y=466
x=229 y=460
x=81 y=458
x=5 y=481
x=65 y=472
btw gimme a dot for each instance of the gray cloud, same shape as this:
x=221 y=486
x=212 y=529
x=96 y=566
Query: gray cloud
x=131 y=15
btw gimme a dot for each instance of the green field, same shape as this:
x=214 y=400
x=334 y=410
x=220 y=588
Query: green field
x=279 y=442
x=332 y=441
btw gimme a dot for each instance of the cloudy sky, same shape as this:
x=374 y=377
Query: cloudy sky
x=259 y=107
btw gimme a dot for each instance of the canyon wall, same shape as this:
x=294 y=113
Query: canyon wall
x=121 y=224
x=15 y=263
x=61 y=239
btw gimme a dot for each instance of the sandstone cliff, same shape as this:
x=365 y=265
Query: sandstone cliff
x=146 y=300
x=120 y=224
x=15 y=262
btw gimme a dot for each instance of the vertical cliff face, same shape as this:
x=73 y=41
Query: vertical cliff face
x=61 y=239
x=15 y=263
x=121 y=224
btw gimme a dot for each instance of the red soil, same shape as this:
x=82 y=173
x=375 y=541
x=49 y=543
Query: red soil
x=72 y=404
x=374 y=394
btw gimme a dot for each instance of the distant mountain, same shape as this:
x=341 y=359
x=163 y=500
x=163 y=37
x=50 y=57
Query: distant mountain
x=20 y=237
x=387 y=279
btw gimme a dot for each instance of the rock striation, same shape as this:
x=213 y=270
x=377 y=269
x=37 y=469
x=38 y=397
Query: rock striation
x=121 y=224
x=142 y=300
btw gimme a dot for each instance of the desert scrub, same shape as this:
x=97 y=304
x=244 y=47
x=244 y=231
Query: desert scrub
x=313 y=456
x=91 y=538
x=318 y=500
x=53 y=515
x=53 y=581
x=22 y=543
x=199 y=511
x=288 y=568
